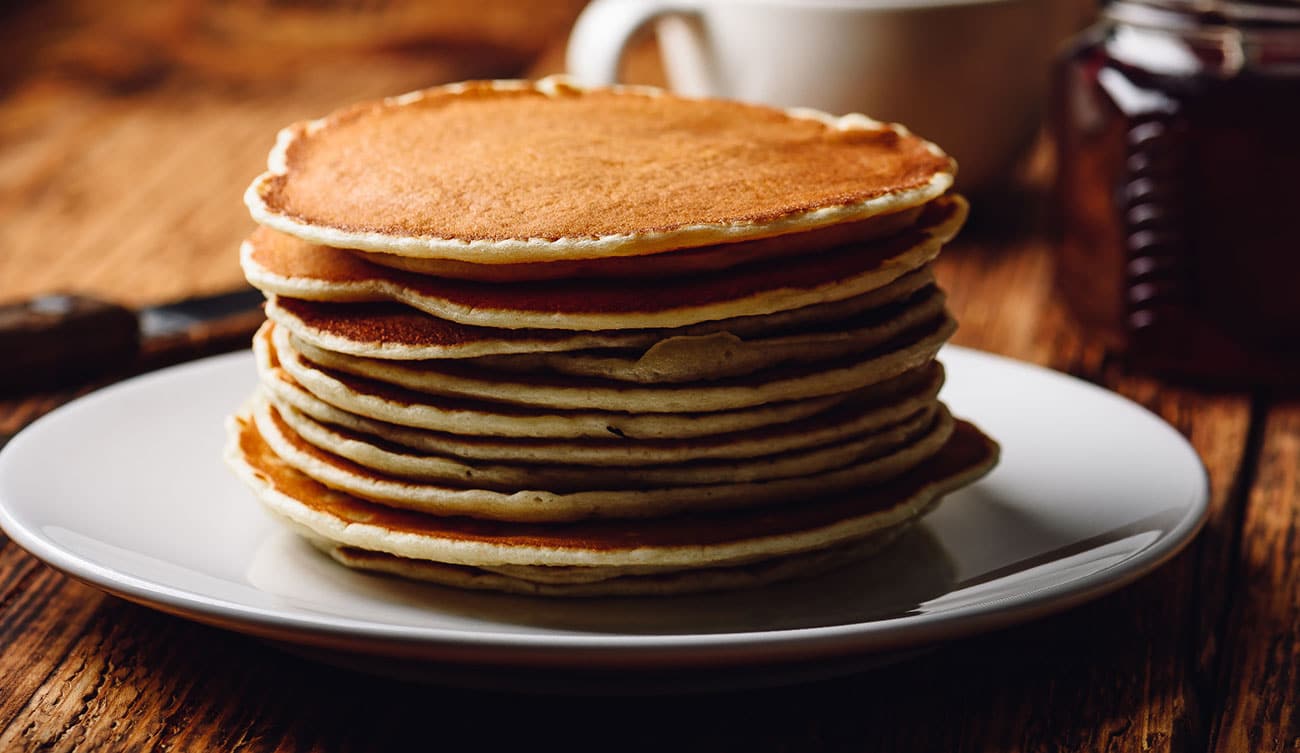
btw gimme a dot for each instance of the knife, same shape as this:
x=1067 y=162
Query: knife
x=60 y=339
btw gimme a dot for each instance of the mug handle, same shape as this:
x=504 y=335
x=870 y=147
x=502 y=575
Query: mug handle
x=601 y=34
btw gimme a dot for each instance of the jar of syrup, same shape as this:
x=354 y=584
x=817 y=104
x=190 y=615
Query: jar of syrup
x=1177 y=124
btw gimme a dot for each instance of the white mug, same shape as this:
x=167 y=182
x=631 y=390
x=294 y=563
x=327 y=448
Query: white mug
x=969 y=75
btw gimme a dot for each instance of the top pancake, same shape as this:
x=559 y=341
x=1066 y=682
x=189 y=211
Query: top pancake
x=515 y=172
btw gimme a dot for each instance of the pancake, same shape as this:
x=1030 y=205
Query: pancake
x=572 y=582
x=576 y=576
x=395 y=405
x=689 y=540
x=519 y=172
x=678 y=263
x=560 y=575
x=542 y=339
x=694 y=358
x=288 y=266
x=798 y=382
x=396 y=331
x=378 y=455
x=866 y=411
x=544 y=505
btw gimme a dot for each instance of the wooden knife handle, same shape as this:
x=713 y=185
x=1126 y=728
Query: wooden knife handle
x=54 y=340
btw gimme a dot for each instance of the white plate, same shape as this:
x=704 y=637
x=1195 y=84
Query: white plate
x=125 y=489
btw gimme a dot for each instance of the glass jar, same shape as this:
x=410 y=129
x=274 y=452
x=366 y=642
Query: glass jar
x=1177 y=125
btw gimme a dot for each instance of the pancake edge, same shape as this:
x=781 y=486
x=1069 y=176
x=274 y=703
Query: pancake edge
x=523 y=250
x=777 y=299
x=478 y=553
x=636 y=582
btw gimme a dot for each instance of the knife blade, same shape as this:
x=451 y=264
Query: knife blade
x=59 y=339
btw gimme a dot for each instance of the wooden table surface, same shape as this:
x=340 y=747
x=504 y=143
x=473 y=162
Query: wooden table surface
x=122 y=158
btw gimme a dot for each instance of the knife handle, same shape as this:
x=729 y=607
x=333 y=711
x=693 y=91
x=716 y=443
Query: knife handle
x=54 y=340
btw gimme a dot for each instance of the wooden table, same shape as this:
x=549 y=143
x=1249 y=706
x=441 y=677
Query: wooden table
x=128 y=186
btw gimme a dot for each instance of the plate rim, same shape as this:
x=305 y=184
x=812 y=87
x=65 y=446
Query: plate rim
x=608 y=651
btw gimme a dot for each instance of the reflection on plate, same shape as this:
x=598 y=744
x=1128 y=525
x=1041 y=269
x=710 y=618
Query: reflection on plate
x=125 y=489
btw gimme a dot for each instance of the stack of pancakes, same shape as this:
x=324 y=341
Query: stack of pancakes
x=542 y=339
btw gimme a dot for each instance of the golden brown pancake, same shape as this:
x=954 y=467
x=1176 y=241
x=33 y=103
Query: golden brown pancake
x=379 y=454
x=394 y=330
x=721 y=355
x=395 y=405
x=611 y=581
x=543 y=339
x=530 y=504
x=687 y=539
x=670 y=263
x=284 y=265
x=512 y=172
x=868 y=410
x=796 y=381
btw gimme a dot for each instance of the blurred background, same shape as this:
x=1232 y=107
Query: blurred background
x=129 y=130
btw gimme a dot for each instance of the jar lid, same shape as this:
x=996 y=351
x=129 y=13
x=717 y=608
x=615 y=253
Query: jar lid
x=1241 y=13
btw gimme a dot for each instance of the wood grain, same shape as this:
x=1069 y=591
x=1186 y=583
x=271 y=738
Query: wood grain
x=1145 y=649
x=130 y=189
x=128 y=141
x=1261 y=662
x=138 y=198
x=1120 y=674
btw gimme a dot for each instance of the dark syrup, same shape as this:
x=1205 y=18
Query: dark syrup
x=1179 y=191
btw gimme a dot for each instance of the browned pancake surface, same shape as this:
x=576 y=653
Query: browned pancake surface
x=382 y=322
x=290 y=257
x=918 y=384
x=967 y=452
x=399 y=324
x=940 y=326
x=665 y=263
x=485 y=164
